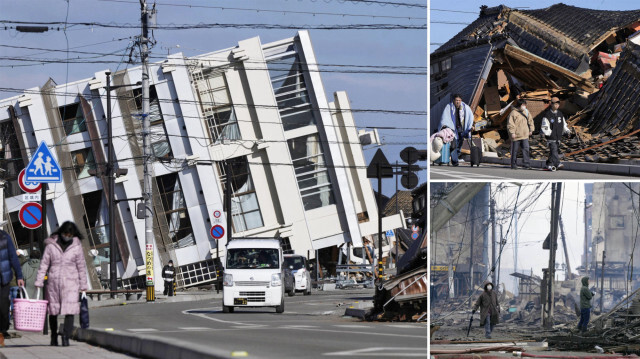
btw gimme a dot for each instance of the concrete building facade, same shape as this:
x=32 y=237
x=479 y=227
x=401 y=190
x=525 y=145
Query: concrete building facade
x=297 y=166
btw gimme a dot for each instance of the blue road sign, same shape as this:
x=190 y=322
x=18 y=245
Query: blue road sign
x=217 y=231
x=389 y=233
x=414 y=235
x=43 y=167
x=30 y=215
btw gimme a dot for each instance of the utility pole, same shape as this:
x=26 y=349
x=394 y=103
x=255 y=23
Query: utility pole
x=473 y=233
x=604 y=255
x=499 y=258
x=146 y=153
x=585 y=259
x=568 y=274
x=113 y=273
x=556 y=194
x=492 y=210
x=515 y=247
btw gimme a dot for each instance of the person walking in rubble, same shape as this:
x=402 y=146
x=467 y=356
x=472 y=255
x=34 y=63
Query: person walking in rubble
x=489 y=309
x=585 y=305
x=554 y=125
x=458 y=117
x=520 y=126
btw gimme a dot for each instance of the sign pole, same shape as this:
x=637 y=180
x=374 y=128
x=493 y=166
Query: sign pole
x=380 y=269
x=43 y=235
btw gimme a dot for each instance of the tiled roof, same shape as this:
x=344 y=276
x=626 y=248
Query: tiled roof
x=617 y=106
x=404 y=204
x=583 y=26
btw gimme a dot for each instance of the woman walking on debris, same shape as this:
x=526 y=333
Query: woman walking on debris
x=585 y=305
x=489 y=309
x=67 y=276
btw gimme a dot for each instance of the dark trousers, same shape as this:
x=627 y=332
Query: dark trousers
x=4 y=308
x=68 y=325
x=554 y=157
x=455 y=152
x=168 y=288
x=515 y=148
x=584 y=318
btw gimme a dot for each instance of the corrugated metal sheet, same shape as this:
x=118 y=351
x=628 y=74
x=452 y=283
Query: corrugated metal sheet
x=467 y=67
x=617 y=105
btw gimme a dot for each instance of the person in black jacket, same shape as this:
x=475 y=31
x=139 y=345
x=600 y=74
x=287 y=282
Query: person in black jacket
x=169 y=275
x=554 y=125
x=9 y=264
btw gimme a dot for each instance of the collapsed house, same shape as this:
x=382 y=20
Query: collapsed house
x=591 y=63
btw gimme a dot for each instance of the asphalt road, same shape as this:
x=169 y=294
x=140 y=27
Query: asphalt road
x=491 y=172
x=311 y=327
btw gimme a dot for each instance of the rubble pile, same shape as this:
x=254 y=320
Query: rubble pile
x=509 y=54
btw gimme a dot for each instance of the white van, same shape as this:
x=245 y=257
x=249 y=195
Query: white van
x=253 y=275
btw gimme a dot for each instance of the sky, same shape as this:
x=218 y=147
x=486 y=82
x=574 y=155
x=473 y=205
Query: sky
x=384 y=91
x=466 y=11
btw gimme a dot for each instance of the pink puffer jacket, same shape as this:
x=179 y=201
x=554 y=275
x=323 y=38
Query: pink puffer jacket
x=67 y=276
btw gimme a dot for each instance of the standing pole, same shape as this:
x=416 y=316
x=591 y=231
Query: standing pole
x=380 y=269
x=113 y=273
x=397 y=211
x=515 y=247
x=471 y=262
x=604 y=256
x=585 y=256
x=568 y=275
x=555 y=214
x=492 y=210
x=227 y=199
x=499 y=260
x=146 y=141
x=43 y=235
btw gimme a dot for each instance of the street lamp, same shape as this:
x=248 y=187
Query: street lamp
x=113 y=280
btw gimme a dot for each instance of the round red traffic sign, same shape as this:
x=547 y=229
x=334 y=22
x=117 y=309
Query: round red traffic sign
x=217 y=231
x=29 y=187
x=217 y=213
x=30 y=215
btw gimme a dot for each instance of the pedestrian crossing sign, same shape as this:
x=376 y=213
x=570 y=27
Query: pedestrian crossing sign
x=43 y=167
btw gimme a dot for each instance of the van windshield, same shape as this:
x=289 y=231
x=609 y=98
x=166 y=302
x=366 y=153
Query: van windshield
x=249 y=258
x=294 y=262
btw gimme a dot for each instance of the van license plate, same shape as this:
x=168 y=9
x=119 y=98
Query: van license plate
x=240 y=301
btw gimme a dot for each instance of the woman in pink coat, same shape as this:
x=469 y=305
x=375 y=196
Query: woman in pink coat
x=67 y=276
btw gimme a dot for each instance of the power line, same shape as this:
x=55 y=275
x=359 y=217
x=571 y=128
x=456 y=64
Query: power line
x=382 y=3
x=314 y=13
x=231 y=25
x=197 y=102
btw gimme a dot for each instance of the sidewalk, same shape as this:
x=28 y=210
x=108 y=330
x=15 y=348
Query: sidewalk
x=36 y=346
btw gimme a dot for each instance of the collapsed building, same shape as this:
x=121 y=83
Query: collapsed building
x=592 y=63
x=296 y=162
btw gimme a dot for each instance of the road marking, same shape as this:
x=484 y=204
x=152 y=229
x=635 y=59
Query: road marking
x=396 y=352
x=352 y=326
x=248 y=326
x=194 y=328
x=297 y=326
x=143 y=330
x=410 y=326
x=363 y=333
x=460 y=174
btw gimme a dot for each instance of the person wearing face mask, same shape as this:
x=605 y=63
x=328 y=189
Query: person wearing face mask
x=554 y=125
x=489 y=309
x=169 y=275
x=520 y=126
x=63 y=261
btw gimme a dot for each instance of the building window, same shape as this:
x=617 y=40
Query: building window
x=216 y=105
x=291 y=92
x=175 y=210
x=445 y=65
x=83 y=161
x=311 y=172
x=72 y=118
x=245 y=209
x=159 y=143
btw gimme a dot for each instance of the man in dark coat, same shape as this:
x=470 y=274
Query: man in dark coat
x=169 y=275
x=554 y=126
x=489 y=309
x=585 y=305
x=9 y=264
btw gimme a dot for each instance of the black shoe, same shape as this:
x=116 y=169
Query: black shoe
x=54 y=340
x=514 y=168
x=65 y=341
x=455 y=164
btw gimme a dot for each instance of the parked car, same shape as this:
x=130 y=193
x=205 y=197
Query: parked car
x=297 y=264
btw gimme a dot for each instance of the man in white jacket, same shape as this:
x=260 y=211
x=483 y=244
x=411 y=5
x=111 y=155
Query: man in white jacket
x=554 y=126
